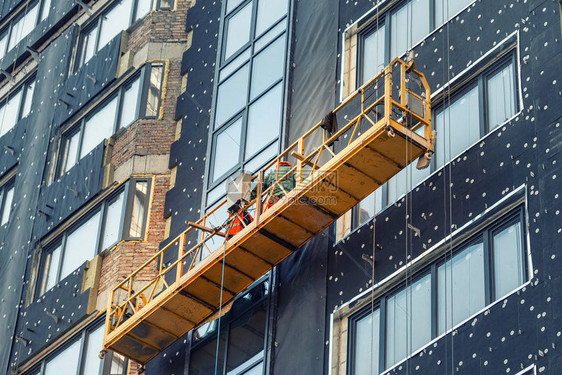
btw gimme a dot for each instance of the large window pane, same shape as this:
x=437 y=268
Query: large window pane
x=268 y=67
x=143 y=7
x=138 y=212
x=408 y=320
x=269 y=11
x=99 y=127
x=458 y=127
x=46 y=8
x=28 y=90
x=374 y=55
x=114 y=21
x=445 y=9
x=367 y=332
x=246 y=339
x=409 y=25
x=3 y=43
x=80 y=245
x=238 y=30
x=501 y=97
x=10 y=111
x=264 y=120
x=89 y=43
x=231 y=96
x=66 y=362
x=460 y=287
x=153 y=97
x=509 y=263
x=227 y=149
x=50 y=269
x=7 y=207
x=92 y=363
x=113 y=219
x=23 y=26
x=129 y=106
x=405 y=180
x=71 y=151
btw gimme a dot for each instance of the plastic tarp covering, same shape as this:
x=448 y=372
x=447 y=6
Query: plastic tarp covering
x=314 y=60
x=17 y=243
x=301 y=315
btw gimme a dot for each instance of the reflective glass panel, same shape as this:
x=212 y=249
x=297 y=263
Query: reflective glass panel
x=268 y=67
x=509 y=262
x=65 y=362
x=269 y=11
x=50 y=268
x=129 y=106
x=143 y=7
x=445 y=9
x=46 y=9
x=235 y=64
x=80 y=245
x=231 y=4
x=369 y=206
x=408 y=320
x=7 y=207
x=99 y=127
x=114 y=21
x=89 y=43
x=250 y=330
x=118 y=364
x=501 y=97
x=71 y=151
x=28 y=90
x=408 y=25
x=374 y=55
x=138 y=212
x=92 y=363
x=238 y=30
x=460 y=287
x=10 y=111
x=264 y=120
x=227 y=149
x=367 y=333
x=153 y=97
x=458 y=127
x=405 y=180
x=113 y=218
x=23 y=26
x=270 y=35
x=3 y=43
x=232 y=95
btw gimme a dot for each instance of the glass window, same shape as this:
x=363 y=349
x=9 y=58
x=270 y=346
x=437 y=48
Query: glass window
x=9 y=111
x=268 y=67
x=139 y=209
x=408 y=25
x=89 y=40
x=23 y=26
x=113 y=221
x=374 y=55
x=143 y=7
x=80 y=245
x=460 y=287
x=445 y=9
x=51 y=265
x=238 y=30
x=154 y=90
x=7 y=201
x=227 y=149
x=264 y=120
x=65 y=362
x=130 y=100
x=464 y=129
x=501 y=97
x=509 y=262
x=99 y=127
x=45 y=9
x=28 y=89
x=3 y=43
x=269 y=11
x=250 y=330
x=165 y=4
x=232 y=96
x=114 y=21
x=94 y=342
x=408 y=313
x=71 y=151
x=367 y=333
x=231 y=4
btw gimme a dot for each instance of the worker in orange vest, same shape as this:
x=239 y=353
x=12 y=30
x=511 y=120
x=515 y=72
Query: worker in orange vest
x=238 y=219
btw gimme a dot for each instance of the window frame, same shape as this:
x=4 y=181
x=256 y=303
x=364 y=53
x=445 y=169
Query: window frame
x=23 y=87
x=127 y=189
x=22 y=12
x=82 y=336
x=243 y=112
x=78 y=127
x=4 y=189
x=484 y=235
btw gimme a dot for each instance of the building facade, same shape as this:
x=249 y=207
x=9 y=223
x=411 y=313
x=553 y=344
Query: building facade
x=448 y=269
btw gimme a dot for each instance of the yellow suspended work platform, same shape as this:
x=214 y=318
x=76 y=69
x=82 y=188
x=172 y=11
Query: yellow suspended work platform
x=387 y=126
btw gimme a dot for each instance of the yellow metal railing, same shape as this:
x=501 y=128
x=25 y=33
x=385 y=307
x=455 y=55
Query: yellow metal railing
x=374 y=104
